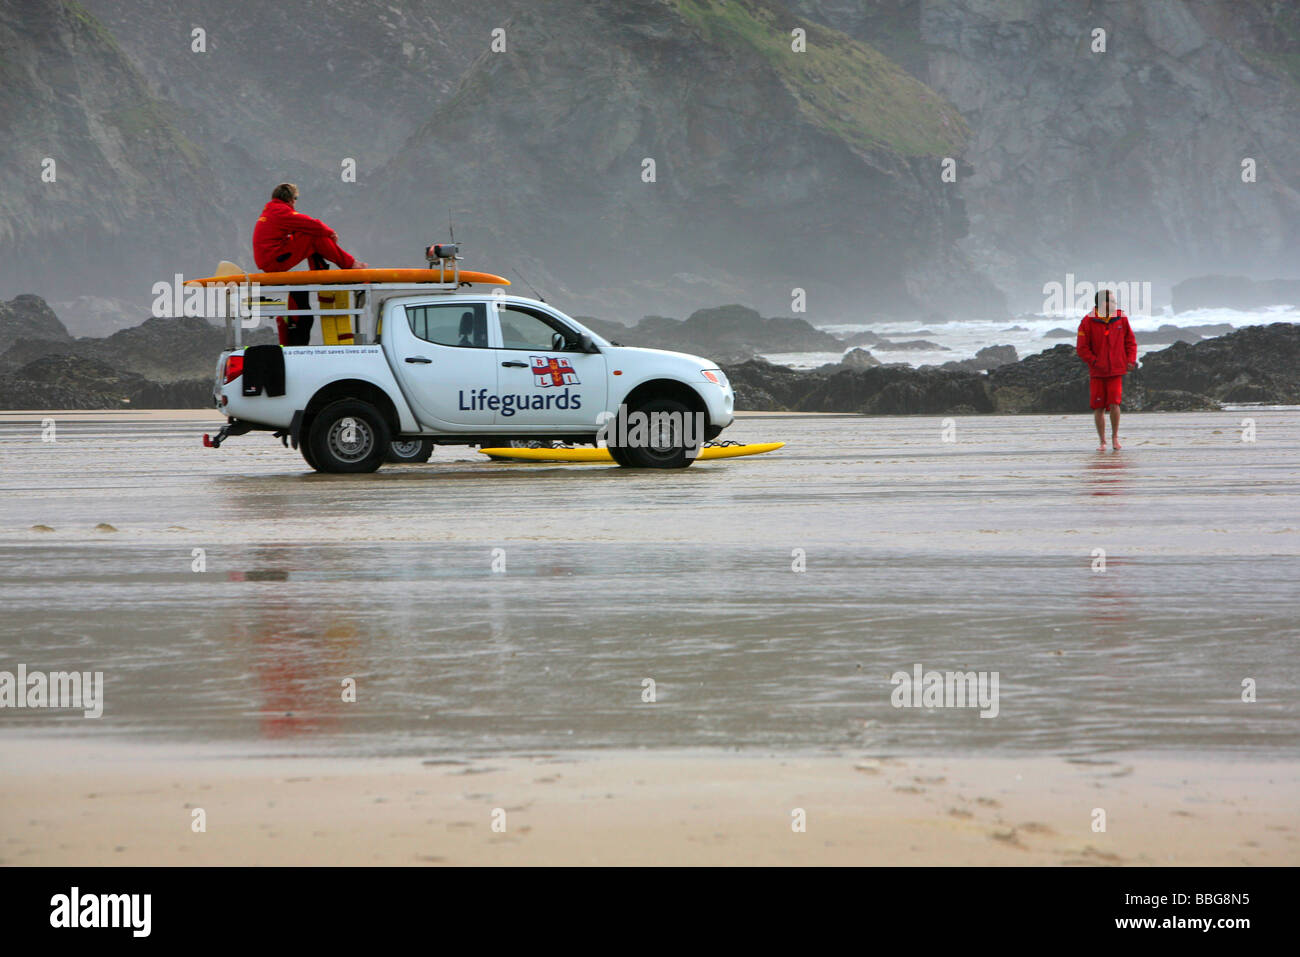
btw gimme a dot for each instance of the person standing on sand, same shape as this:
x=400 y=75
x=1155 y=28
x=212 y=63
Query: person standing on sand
x=1107 y=344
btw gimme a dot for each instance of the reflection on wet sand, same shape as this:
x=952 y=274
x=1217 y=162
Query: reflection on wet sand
x=1106 y=475
x=484 y=607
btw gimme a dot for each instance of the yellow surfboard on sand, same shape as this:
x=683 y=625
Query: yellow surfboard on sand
x=602 y=456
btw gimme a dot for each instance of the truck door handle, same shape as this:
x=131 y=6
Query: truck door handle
x=418 y=359
x=515 y=364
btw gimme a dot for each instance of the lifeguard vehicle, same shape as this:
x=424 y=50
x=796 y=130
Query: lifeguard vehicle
x=411 y=358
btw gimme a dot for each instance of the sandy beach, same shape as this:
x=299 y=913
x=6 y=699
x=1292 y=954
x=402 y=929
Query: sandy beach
x=77 y=803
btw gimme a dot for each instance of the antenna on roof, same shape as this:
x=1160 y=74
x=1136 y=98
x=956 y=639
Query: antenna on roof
x=539 y=296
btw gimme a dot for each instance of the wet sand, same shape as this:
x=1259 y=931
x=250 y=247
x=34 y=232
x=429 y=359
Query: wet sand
x=74 y=804
x=769 y=598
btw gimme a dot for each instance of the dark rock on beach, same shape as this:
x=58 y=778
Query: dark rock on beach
x=75 y=382
x=735 y=332
x=880 y=390
x=164 y=350
x=1255 y=364
x=853 y=359
x=866 y=338
x=1168 y=333
x=912 y=345
x=990 y=357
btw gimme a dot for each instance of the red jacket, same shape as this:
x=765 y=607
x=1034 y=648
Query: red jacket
x=274 y=231
x=1108 y=346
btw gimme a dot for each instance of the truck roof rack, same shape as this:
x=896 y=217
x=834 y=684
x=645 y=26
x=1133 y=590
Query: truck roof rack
x=240 y=311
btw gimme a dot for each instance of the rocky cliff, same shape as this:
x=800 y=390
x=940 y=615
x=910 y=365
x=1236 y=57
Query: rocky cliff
x=1116 y=166
x=774 y=169
x=103 y=188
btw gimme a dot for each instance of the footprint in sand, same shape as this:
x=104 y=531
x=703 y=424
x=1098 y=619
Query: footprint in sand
x=908 y=789
x=1010 y=838
x=988 y=802
x=1033 y=827
x=1092 y=854
x=959 y=812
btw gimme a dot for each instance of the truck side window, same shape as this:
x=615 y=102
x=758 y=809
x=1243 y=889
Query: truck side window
x=525 y=329
x=450 y=323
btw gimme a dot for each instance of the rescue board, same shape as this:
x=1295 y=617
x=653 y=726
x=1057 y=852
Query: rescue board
x=598 y=455
x=303 y=277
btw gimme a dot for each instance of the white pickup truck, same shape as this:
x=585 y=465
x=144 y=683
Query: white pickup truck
x=435 y=363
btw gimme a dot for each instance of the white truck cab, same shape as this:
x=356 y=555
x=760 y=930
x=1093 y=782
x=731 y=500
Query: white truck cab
x=432 y=362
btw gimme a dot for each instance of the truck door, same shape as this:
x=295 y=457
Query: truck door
x=545 y=379
x=440 y=353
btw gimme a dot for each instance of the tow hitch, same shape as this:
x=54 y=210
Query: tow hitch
x=227 y=430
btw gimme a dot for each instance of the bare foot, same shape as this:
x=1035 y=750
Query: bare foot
x=1102 y=447
x=1115 y=442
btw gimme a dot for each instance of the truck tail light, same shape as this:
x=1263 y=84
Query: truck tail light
x=234 y=368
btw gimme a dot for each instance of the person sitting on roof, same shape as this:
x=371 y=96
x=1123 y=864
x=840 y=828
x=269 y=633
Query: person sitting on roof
x=284 y=237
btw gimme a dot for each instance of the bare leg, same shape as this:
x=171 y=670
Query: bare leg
x=1114 y=425
x=1099 y=417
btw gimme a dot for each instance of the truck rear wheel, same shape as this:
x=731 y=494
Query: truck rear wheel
x=663 y=423
x=348 y=436
x=409 y=451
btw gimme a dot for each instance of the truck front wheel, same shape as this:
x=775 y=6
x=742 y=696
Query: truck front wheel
x=348 y=436
x=657 y=431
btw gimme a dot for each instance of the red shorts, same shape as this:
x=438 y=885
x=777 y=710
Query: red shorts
x=1105 y=391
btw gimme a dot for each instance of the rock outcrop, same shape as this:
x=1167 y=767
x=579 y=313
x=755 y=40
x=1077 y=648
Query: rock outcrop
x=724 y=332
x=75 y=382
x=30 y=317
x=1257 y=364
x=163 y=350
x=990 y=357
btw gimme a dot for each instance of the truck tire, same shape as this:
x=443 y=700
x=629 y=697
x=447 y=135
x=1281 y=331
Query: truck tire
x=305 y=448
x=348 y=436
x=662 y=451
x=409 y=451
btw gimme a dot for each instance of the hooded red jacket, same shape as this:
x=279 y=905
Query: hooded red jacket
x=1109 y=347
x=274 y=232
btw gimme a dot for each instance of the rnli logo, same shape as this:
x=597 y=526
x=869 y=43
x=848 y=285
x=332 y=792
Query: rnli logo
x=548 y=371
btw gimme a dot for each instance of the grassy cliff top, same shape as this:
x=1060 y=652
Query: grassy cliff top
x=842 y=86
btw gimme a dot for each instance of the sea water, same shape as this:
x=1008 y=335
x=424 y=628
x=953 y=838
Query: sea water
x=961 y=339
